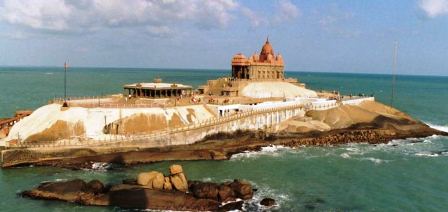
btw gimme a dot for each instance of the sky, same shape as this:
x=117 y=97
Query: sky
x=312 y=35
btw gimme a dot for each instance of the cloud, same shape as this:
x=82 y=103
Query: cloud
x=434 y=8
x=339 y=22
x=157 y=16
x=48 y=15
x=255 y=19
x=285 y=11
x=160 y=31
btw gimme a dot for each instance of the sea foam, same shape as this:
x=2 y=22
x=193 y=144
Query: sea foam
x=263 y=192
x=438 y=127
x=426 y=154
x=268 y=150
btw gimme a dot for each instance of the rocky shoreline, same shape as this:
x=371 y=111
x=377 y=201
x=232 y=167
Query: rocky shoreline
x=222 y=146
x=152 y=190
x=369 y=122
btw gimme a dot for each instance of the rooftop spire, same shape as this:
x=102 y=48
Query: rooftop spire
x=267 y=39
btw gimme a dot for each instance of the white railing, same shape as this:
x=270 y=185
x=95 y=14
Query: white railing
x=357 y=101
x=158 y=138
x=151 y=138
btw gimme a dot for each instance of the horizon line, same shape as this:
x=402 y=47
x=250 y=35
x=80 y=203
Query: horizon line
x=218 y=69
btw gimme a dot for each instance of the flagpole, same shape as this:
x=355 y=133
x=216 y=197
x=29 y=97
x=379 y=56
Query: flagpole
x=394 y=71
x=65 y=85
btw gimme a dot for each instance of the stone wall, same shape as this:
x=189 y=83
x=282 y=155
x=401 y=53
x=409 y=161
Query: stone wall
x=266 y=72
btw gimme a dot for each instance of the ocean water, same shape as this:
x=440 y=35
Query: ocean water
x=403 y=175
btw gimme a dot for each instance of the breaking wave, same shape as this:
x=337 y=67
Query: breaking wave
x=265 y=192
x=375 y=160
x=427 y=154
x=274 y=150
x=438 y=127
x=99 y=166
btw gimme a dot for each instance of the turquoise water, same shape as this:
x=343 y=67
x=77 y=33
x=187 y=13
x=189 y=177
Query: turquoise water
x=404 y=175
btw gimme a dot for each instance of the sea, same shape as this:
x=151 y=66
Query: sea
x=402 y=175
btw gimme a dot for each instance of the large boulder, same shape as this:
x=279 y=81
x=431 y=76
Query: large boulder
x=167 y=184
x=232 y=206
x=71 y=191
x=268 y=202
x=146 y=178
x=95 y=186
x=242 y=189
x=176 y=169
x=226 y=193
x=179 y=181
x=205 y=190
x=158 y=181
x=63 y=187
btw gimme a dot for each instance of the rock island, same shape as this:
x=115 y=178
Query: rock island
x=154 y=121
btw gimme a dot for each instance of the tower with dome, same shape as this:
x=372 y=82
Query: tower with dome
x=262 y=75
x=263 y=66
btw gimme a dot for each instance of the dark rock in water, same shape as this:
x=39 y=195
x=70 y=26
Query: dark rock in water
x=70 y=191
x=203 y=196
x=130 y=181
x=95 y=186
x=160 y=200
x=310 y=207
x=268 y=202
x=71 y=186
x=226 y=193
x=117 y=187
x=204 y=190
x=320 y=200
x=242 y=189
x=232 y=206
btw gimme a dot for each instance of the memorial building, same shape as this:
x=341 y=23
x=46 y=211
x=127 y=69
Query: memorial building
x=264 y=66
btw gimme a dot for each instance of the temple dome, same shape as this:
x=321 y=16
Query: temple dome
x=270 y=58
x=266 y=50
x=239 y=56
x=239 y=59
x=279 y=59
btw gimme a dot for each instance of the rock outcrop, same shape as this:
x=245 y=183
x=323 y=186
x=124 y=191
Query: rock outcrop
x=268 y=202
x=224 y=192
x=156 y=180
x=176 y=169
x=179 y=182
x=369 y=122
x=51 y=123
x=151 y=190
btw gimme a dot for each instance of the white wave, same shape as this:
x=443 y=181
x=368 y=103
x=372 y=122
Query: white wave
x=274 y=148
x=265 y=192
x=438 y=127
x=49 y=73
x=352 y=149
x=427 y=141
x=345 y=155
x=206 y=179
x=427 y=154
x=375 y=160
x=268 y=150
x=99 y=166
x=394 y=142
